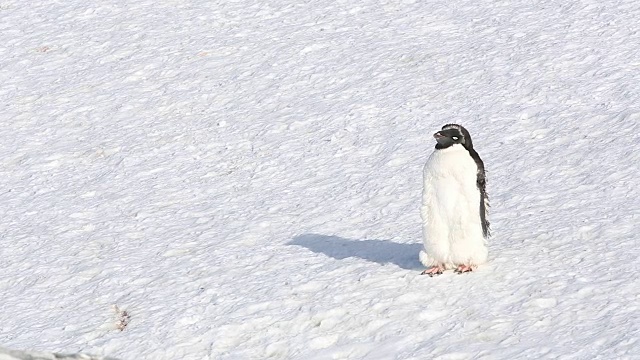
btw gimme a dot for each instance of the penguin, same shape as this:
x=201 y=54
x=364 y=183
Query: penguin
x=455 y=205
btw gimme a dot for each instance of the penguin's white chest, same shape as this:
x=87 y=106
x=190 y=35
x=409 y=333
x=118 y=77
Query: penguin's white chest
x=450 y=179
x=450 y=210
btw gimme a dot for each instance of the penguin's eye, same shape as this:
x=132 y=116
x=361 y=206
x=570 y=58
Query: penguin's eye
x=455 y=138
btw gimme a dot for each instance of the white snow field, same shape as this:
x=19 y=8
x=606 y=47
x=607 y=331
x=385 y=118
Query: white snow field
x=243 y=178
x=6 y=354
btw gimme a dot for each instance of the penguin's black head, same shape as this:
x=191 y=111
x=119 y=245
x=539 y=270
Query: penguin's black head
x=452 y=134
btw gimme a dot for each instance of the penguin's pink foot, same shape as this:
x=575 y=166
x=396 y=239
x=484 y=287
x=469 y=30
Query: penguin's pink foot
x=436 y=270
x=464 y=268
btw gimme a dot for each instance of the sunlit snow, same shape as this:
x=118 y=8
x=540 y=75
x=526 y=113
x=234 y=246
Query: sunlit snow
x=243 y=178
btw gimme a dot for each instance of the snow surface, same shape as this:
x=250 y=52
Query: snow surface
x=244 y=177
x=6 y=354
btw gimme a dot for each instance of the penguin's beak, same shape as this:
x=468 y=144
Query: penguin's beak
x=438 y=136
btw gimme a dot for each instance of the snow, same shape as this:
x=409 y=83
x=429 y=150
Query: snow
x=243 y=178
x=6 y=354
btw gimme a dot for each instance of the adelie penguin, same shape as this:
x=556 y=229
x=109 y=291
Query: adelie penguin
x=454 y=205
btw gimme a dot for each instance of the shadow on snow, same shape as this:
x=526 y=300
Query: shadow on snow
x=378 y=251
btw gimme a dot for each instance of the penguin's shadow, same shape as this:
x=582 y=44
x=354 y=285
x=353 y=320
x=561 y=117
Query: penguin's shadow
x=382 y=252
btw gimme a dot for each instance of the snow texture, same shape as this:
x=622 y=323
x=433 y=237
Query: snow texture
x=243 y=178
x=6 y=354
